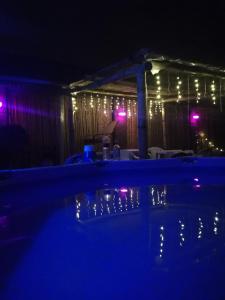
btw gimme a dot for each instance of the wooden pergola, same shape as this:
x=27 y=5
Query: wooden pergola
x=130 y=78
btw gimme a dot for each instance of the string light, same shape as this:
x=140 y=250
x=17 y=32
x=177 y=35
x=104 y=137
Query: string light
x=117 y=102
x=220 y=96
x=150 y=109
x=74 y=103
x=179 y=83
x=210 y=144
x=158 y=94
x=112 y=103
x=98 y=102
x=135 y=107
x=213 y=90
x=129 y=109
x=91 y=101
x=85 y=102
x=123 y=103
x=104 y=105
x=198 y=94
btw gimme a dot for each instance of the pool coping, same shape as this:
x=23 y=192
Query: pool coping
x=104 y=168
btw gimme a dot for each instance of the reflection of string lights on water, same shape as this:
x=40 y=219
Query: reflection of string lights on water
x=197 y=184
x=122 y=200
x=78 y=209
x=106 y=202
x=215 y=223
x=200 y=228
x=162 y=238
x=112 y=201
x=181 y=234
x=158 y=195
x=187 y=229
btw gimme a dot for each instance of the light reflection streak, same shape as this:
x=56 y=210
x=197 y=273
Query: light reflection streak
x=113 y=202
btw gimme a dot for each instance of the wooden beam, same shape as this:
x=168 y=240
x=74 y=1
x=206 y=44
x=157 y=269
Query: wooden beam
x=112 y=93
x=122 y=74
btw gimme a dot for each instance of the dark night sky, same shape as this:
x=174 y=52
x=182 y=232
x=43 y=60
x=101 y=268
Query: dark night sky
x=91 y=34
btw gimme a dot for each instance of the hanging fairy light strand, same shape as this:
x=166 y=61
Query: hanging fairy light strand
x=197 y=87
x=117 y=102
x=150 y=109
x=129 y=109
x=105 y=105
x=74 y=103
x=84 y=102
x=158 y=95
x=179 y=83
x=91 y=101
x=220 y=96
x=98 y=103
x=135 y=107
x=150 y=104
x=123 y=103
x=213 y=91
x=112 y=104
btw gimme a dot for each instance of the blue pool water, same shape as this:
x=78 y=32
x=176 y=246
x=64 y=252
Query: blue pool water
x=150 y=241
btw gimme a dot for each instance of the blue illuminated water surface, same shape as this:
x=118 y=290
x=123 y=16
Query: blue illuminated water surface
x=128 y=242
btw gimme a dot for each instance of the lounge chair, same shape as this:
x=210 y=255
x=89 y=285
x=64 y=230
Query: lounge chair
x=157 y=152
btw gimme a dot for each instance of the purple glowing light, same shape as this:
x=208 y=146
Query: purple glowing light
x=1 y=104
x=196 y=179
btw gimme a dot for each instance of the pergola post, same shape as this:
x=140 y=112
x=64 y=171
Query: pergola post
x=142 y=112
x=71 y=127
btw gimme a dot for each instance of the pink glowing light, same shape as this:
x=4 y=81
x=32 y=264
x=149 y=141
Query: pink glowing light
x=2 y=104
x=122 y=114
x=123 y=190
x=195 y=118
x=197 y=186
x=196 y=179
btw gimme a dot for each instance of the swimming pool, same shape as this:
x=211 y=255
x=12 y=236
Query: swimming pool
x=115 y=230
